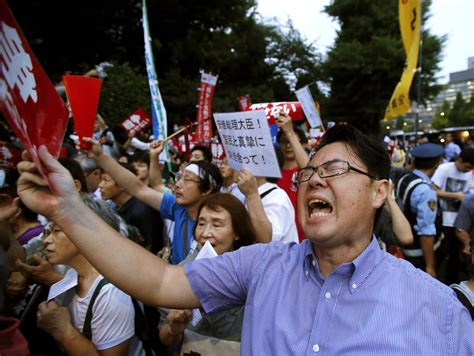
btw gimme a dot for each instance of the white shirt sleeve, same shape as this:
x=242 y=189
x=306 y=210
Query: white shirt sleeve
x=280 y=212
x=113 y=320
x=139 y=145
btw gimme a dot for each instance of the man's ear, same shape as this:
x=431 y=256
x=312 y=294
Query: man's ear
x=78 y=185
x=380 y=192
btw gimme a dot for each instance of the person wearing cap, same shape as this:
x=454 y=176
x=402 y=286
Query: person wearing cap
x=419 y=203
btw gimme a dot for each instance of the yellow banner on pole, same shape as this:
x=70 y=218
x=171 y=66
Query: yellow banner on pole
x=409 y=12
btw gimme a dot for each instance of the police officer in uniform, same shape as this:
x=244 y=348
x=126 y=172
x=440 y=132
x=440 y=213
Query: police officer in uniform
x=419 y=204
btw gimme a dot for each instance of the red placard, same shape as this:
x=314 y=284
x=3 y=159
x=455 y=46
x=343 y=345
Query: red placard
x=206 y=92
x=136 y=122
x=83 y=95
x=28 y=100
x=292 y=108
x=244 y=102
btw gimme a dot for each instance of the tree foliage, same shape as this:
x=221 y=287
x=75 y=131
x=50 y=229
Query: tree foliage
x=461 y=113
x=262 y=59
x=367 y=59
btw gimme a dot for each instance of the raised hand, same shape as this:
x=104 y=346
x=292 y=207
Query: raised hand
x=53 y=200
x=247 y=183
x=284 y=123
x=156 y=147
x=96 y=149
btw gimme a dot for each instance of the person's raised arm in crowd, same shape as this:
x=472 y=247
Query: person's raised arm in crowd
x=289 y=137
x=125 y=264
x=124 y=178
x=400 y=225
x=156 y=179
x=248 y=185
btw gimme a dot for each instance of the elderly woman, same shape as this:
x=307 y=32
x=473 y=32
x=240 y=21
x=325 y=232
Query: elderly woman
x=223 y=221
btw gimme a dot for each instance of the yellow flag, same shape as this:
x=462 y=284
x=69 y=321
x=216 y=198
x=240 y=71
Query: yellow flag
x=409 y=12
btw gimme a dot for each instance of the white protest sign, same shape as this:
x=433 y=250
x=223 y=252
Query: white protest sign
x=309 y=109
x=68 y=282
x=248 y=143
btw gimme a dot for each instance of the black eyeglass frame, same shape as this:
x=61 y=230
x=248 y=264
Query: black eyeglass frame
x=316 y=169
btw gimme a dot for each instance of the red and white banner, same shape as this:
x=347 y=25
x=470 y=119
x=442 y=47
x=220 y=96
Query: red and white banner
x=218 y=153
x=206 y=92
x=272 y=110
x=28 y=100
x=137 y=122
x=244 y=102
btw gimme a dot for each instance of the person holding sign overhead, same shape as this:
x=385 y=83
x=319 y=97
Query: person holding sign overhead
x=329 y=293
x=291 y=140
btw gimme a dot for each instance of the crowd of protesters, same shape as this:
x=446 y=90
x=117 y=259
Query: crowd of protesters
x=301 y=265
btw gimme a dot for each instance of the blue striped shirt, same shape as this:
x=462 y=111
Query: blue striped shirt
x=376 y=305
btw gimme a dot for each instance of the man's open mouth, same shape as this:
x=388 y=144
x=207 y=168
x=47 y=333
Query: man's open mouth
x=319 y=208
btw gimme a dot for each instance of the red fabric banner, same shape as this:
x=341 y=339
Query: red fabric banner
x=292 y=108
x=137 y=122
x=244 y=102
x=204 y=113
x=28 y=100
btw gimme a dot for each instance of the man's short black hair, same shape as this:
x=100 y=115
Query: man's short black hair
x=368 y=149
x=467 y=155
x=141 y=157
x=76 y=171
x=206 y=152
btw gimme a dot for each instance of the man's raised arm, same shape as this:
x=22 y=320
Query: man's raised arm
x=123 y=177
x=124 y=263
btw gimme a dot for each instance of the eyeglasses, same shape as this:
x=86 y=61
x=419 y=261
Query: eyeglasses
x=328 y=169
x=185 y=180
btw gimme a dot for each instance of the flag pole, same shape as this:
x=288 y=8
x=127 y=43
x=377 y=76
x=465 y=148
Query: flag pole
x=420 y=57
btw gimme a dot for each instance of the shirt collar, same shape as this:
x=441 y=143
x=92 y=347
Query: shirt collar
x=422 y=175
x=365 y=264
x=360 y=268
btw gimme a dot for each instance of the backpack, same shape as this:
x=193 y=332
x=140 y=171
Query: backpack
x=464 y=301
x=141 y=328
x=404 y=189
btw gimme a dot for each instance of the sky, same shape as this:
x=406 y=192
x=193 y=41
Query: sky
x=454 y=18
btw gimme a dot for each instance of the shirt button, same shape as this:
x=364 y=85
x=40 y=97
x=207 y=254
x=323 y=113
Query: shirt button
x=354 y=285
x=313 y=262
x=315 y=347
x=306 y=273
x=327 y=295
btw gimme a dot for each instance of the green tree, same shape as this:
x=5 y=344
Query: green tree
x=367 y=59
x=440 y=120
x=125 y=90
x=264 y=59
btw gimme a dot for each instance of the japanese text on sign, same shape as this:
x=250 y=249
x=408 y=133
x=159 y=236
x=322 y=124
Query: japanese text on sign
x=248 y=143
x=136 y=122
